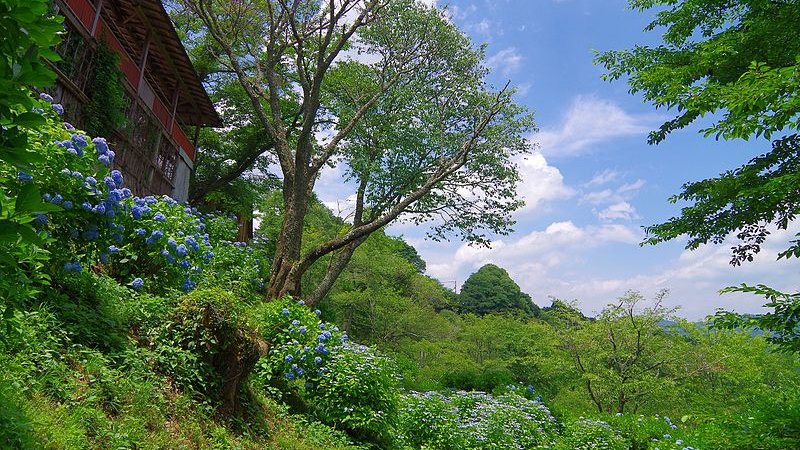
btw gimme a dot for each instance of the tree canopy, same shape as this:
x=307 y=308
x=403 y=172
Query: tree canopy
x=390 y=93
x=491 y=290
x=740 y=62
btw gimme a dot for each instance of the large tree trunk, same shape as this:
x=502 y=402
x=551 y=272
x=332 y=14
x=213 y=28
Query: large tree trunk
x=286 y=268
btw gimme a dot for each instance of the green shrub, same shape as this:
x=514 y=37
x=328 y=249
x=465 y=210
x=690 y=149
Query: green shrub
x=588 y=434
x=206 y=348
x=474 y=420
x=343 y=384
x=88 y=308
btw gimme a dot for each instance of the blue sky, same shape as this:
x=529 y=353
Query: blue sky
x=594 y=182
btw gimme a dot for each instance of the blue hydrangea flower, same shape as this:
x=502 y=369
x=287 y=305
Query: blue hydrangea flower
x=137 y=283
x=192 y=243
x=150 y=200
x=91 y=181
x=289 y=358
x=159 y=217
x=300 y=371
x=285 y=311
x=46 y=97
x=318 y=360
x=110 y=182
x=136 y=212
x=317 y=312
x=77 y=174
x=22 y=176
x=58 y=108
x=185 y=264
x=154 y=237
x=116 y=175
x=181 y=250
x=100 y=208
x=86 y=206
x=67 y=204
x=104 y=160
x=114 y=197
x=104 y=258
x=322 y=326
x=117 y=237
x=79 y=140
x=295 y=322
x=112 y=249
x=289 y=376
x=101 y=145
x=72 y=267
x=303 y=330
x=68 y=126
x=56 y=199
x=188 y=286
x=41 y=219
x=91 y=234
x=301 y=303
x=172 y=243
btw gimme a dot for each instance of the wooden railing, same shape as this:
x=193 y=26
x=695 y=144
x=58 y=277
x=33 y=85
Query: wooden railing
x=86 y=13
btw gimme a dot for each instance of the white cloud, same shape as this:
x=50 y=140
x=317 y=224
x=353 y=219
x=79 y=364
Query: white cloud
x=631 y=187
x=483 y=28
x=612 y=195
x=557 y=244
x=602 y=178
x=541 y=182
x=506 y=61
x=588 y=121
x=618 y=211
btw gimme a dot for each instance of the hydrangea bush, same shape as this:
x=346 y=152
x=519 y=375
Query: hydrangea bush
x=151 y=243
x=343 y=383
x=475 y=420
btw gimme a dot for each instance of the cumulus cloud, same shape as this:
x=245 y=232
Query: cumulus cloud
x=567 y=261
x=541 y=182
x=506 y=61
x=609 y=195
x=618 y=211
x=542 y=250
x=588 y=121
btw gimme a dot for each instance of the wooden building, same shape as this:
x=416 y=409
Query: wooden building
x=164 y=98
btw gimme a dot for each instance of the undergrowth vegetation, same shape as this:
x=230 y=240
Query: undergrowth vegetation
x=139 y=323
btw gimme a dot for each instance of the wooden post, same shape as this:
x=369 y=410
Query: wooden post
x=143 y=61
x=98 y=5
x=174 y=108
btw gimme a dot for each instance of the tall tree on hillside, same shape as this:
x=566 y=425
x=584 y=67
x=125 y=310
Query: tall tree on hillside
x=626 y=357
x=739 y=60
x=491 y=290
x=415 y=129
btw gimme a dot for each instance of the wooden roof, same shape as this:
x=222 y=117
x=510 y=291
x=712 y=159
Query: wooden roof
x=168 y=69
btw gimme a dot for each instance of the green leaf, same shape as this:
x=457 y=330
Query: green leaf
x=29 y=201
x=30 y=120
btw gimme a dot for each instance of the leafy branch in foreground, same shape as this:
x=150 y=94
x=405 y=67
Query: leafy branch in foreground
x=738 y=60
